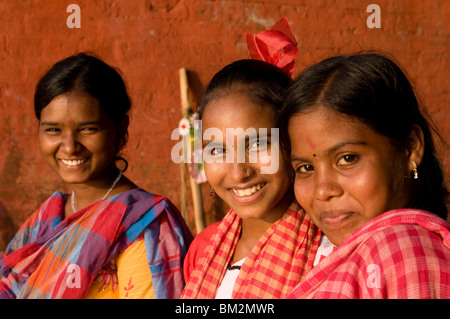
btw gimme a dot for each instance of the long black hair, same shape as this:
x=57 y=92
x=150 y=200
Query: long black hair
x=88 y=74
x=372 y=88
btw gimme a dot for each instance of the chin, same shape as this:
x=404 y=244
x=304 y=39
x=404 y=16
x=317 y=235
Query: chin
x=245 y=213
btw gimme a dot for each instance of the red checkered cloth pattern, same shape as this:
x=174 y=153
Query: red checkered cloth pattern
x=280 y=259
x=401 y=254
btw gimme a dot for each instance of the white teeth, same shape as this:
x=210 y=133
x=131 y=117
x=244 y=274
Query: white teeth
x=73 y=162
x=248 y=191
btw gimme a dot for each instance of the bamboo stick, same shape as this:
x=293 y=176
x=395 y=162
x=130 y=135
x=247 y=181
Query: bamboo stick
x=186 y=111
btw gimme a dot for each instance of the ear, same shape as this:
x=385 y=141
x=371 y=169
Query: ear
x=415 y=146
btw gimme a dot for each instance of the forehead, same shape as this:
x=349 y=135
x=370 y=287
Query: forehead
x=237 y=111
x=73 y=106
x=323 y=128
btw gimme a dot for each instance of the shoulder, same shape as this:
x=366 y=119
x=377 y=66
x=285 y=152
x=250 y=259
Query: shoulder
x=202 y=239
x=406 y=256
x=142 y=210
x=197 y=247
x=205 y=235
x=401 y=230
x=405 y=239
x=402 y=244
x=139 y=201
x=53 y=204
x=139 y=195
x=392 y=257
x=49 y=213
x=399 y=261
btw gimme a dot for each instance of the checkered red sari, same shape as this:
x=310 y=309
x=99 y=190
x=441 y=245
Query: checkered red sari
x=399 y=254
x=280 y=259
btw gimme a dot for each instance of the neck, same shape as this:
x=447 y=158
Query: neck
x=87 y=193
x=253 y=228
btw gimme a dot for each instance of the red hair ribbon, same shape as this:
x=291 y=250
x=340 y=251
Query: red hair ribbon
x=276 y=46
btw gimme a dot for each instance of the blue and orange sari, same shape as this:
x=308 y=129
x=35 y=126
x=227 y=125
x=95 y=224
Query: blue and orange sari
x=49 y=250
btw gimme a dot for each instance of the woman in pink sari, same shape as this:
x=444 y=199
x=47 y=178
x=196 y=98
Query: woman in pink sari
x=367 y=174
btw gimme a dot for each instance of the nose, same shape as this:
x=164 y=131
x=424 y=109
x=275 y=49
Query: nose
x=240 y=172
x=69 y=143
x=327 y=185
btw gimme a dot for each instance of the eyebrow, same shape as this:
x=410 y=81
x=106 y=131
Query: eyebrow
x=248 y=138
x=340 y=145
x=212 y=144
x=332 y=149
x=46 y=123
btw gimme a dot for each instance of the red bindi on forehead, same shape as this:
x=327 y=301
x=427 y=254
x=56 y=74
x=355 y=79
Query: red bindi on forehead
x=310 y=143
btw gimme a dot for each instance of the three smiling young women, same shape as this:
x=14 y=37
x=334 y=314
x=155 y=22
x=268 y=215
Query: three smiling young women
x=356 y=152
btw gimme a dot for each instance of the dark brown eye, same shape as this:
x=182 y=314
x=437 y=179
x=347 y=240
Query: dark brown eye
x=305 y=169
x=347 y=159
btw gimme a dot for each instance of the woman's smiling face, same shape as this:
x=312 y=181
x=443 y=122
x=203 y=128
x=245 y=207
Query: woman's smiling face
x=243 y=185
x=76 y=137
x=345 y=173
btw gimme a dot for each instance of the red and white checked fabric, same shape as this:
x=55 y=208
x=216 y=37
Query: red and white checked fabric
x=401 y=254
x=280 y=259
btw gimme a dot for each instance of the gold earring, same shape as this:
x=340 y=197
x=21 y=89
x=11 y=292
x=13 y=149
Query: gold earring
x=415 y=172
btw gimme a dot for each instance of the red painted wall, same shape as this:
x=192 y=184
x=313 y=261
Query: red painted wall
x=149 y=40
